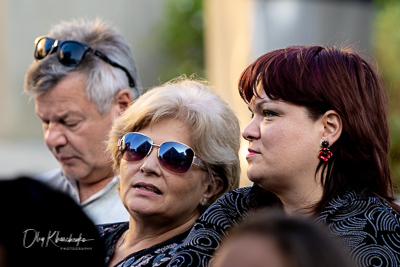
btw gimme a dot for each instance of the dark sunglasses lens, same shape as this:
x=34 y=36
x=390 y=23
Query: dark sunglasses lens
x=175 y=157
x=137 y=147
x=43 y=47
x=71 y=53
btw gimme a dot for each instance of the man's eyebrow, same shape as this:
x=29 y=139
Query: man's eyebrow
x=62 y=116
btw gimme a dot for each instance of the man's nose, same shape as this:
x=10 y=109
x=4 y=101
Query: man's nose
x=54 y=136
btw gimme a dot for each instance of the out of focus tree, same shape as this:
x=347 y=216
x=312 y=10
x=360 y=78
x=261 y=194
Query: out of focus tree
x=386 y=44
x=181 y=37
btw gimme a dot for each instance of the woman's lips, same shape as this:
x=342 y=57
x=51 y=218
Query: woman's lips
x=252 y=153
x=147 y=188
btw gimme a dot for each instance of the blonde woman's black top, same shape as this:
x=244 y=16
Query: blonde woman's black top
x=157 y=255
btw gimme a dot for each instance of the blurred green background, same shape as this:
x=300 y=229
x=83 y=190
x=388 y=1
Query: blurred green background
x=182 y=38
x=386 y=49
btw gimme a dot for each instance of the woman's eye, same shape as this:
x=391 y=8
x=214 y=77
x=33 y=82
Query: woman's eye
x=269 y=113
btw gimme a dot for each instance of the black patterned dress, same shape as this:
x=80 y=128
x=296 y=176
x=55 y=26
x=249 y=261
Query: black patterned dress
x=157 y=255
x=368 y=227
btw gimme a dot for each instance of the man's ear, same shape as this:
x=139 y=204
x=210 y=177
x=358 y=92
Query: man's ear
x=123 y=98
x=332 y=126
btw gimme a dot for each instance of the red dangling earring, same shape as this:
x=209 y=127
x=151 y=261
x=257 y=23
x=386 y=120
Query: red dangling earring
x=325 y=153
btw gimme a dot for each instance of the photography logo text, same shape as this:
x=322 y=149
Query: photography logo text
x=32 y=237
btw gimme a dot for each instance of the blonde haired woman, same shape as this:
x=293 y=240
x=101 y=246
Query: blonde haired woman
x=176 y=149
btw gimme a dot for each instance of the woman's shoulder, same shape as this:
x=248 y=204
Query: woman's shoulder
x=356 y=205
x=234 y=205
x=109 y=234
x=112 y=228
x=367 y=226
x=247 y=197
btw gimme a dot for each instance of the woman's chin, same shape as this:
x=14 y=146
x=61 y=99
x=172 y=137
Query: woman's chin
x=254 y=176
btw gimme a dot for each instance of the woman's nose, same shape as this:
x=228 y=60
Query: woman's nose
x=151 y=164
x=251 y=131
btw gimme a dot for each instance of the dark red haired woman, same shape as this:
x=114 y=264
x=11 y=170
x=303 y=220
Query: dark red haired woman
x=318 y=146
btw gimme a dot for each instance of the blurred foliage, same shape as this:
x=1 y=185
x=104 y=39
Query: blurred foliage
x=182 y=39
x=387 y=52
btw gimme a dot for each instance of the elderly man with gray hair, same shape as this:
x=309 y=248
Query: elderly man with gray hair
x=82 y=78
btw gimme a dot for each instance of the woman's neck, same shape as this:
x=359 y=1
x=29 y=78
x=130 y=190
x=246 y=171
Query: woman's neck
x=144 y=235
x=302 y=200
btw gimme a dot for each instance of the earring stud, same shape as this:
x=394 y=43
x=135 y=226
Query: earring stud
x=324 y=152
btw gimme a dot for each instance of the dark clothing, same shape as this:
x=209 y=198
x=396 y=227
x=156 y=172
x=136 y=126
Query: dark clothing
x=157 y=255
x=367 y=226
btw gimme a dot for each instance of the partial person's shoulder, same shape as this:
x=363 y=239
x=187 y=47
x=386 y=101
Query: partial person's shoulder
x=244 y=193
x=235 y=195
x=367 y=226
x=233 y=206
x=360 y=220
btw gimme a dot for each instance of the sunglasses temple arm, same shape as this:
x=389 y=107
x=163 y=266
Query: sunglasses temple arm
x=115 y=64
x=198 y=162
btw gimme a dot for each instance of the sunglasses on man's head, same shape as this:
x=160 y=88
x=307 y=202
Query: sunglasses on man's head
x=173 y=156
x=71 y=53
